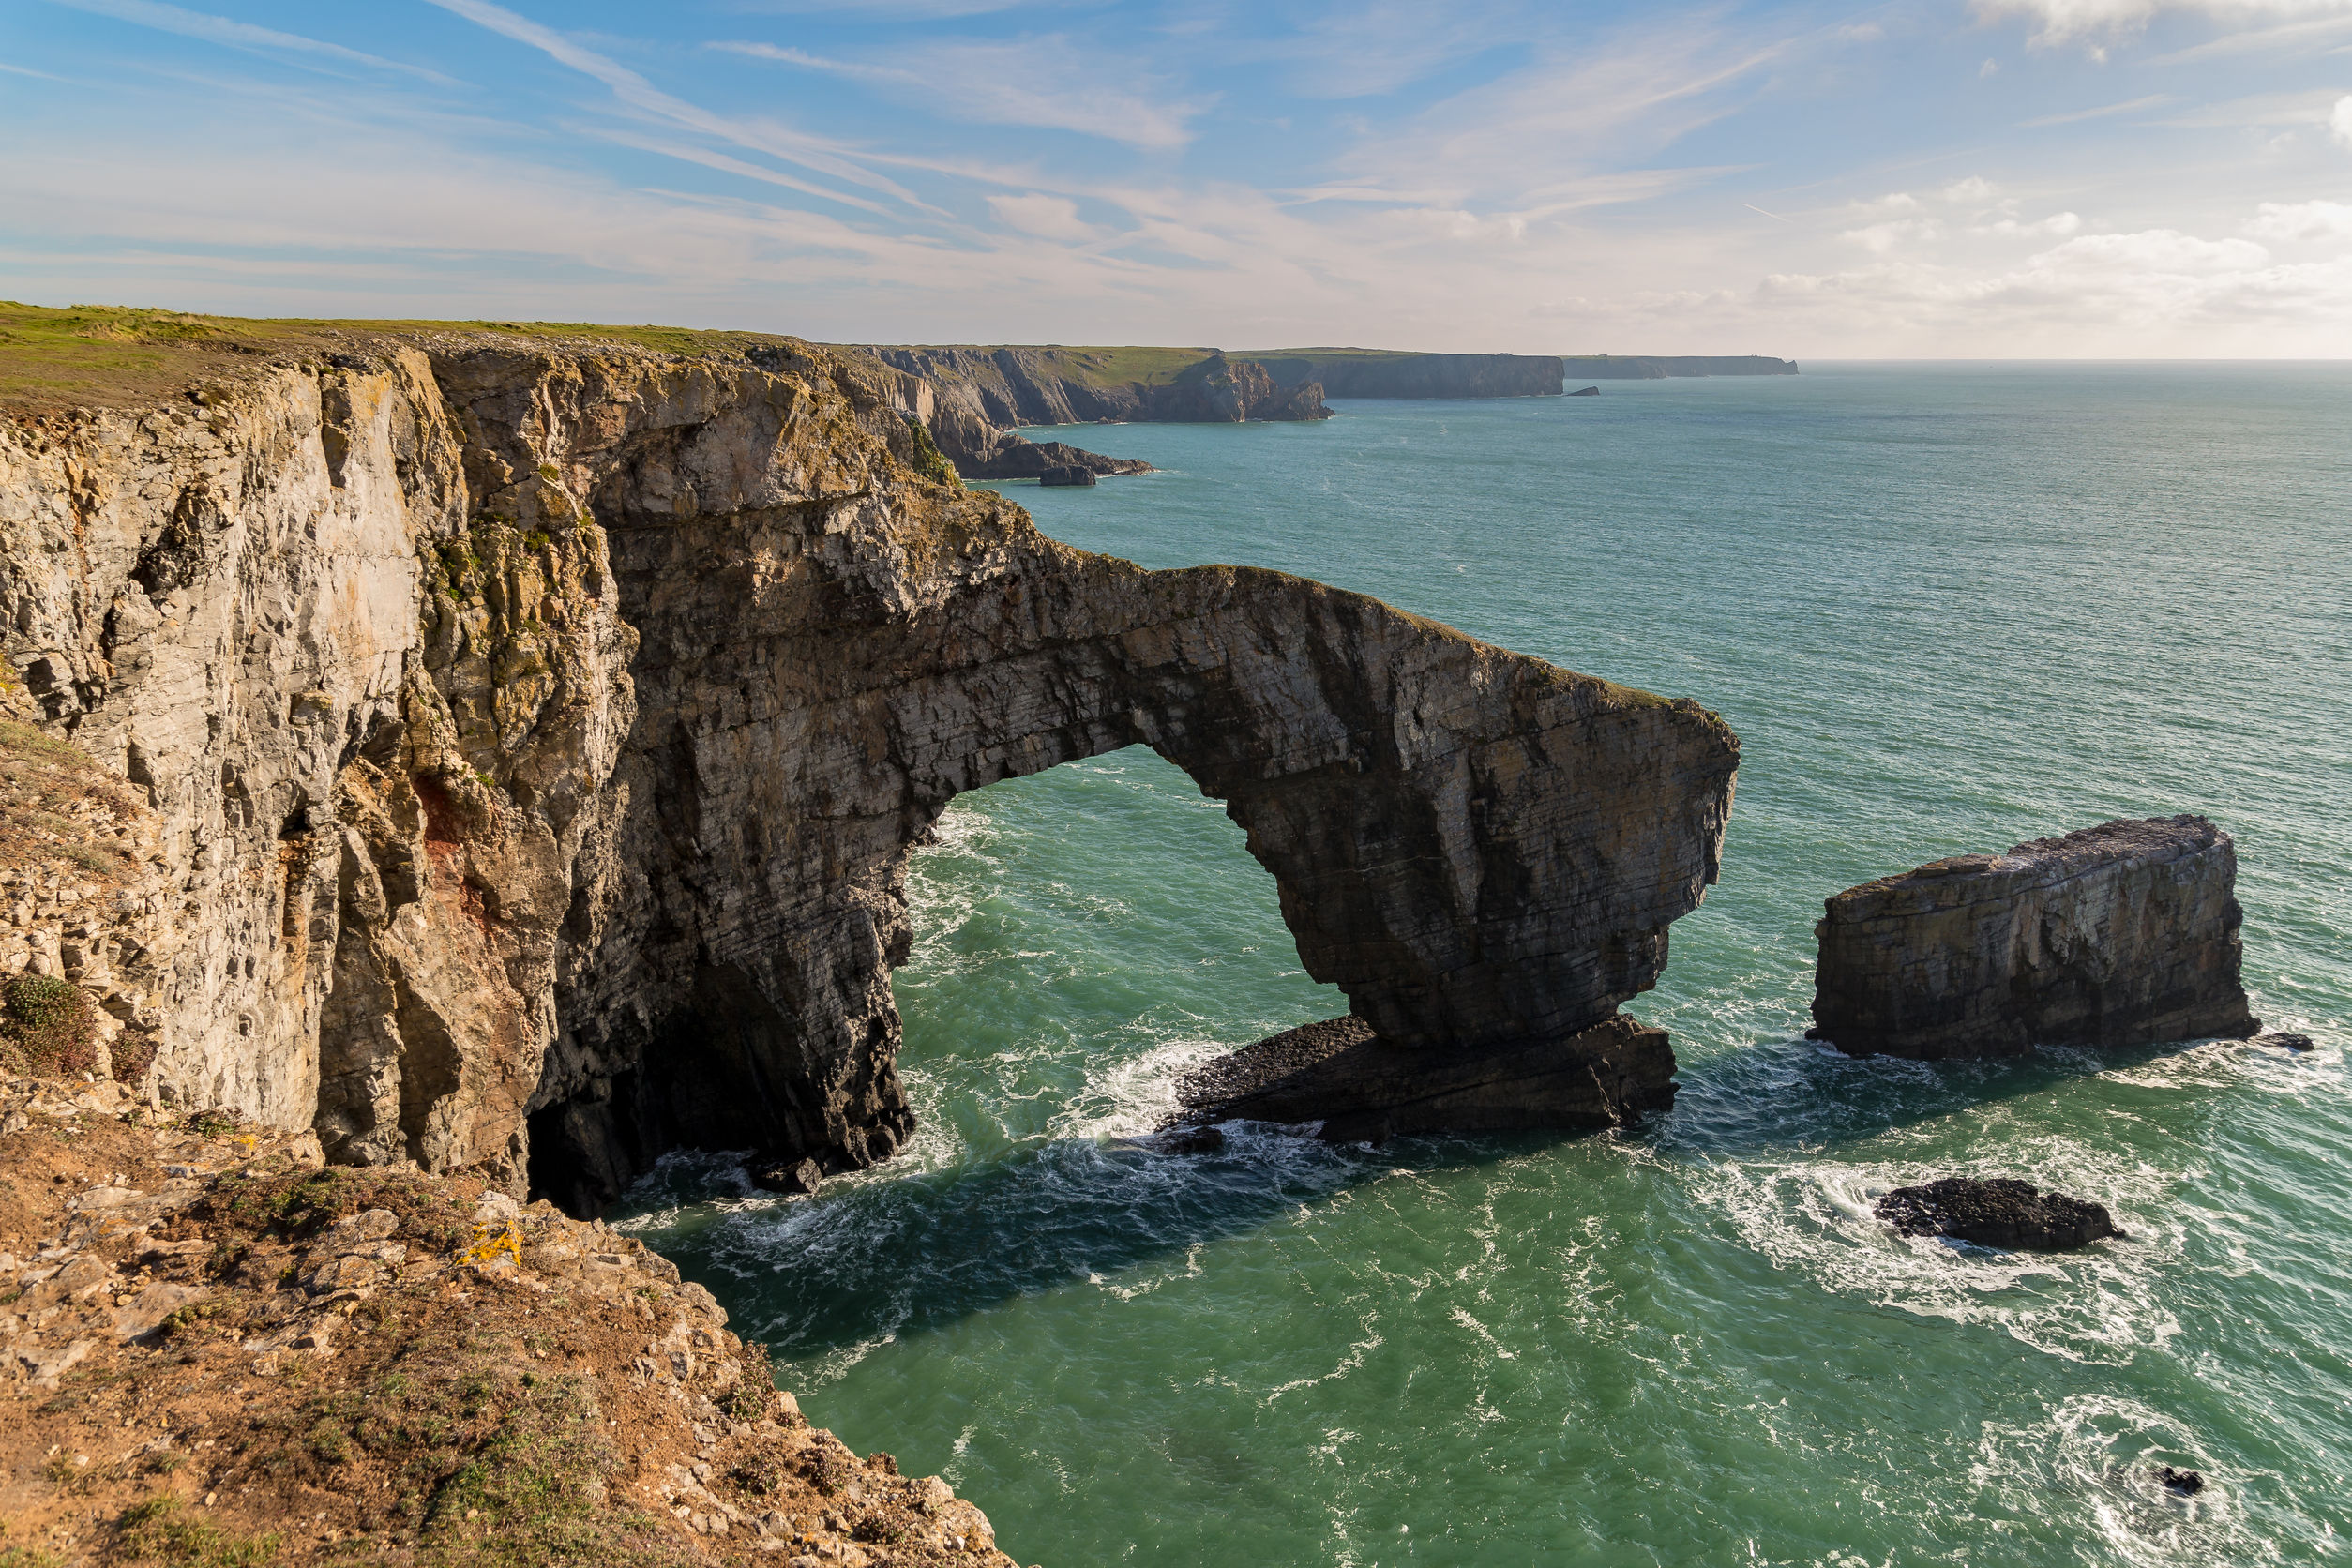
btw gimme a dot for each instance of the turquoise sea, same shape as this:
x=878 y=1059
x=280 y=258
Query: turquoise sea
x=1947 y=608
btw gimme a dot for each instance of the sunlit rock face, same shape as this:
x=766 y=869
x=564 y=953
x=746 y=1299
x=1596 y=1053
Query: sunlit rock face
x=539 y=735
x=2120 y=934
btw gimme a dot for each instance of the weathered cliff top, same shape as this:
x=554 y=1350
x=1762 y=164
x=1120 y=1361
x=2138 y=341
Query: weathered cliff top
x=2037 y=863
x=1103 y=367
x=217 y=1353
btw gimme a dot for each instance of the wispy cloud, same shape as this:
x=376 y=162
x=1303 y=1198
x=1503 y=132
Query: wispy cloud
x=243 y=34
x=2153 y=100
x=988 y=81
x=814 y=153
x=2059 y=21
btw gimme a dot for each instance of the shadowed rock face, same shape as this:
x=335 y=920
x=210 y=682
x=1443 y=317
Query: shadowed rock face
x=539 y=737
x=2120 y=934
x=1362 y=1089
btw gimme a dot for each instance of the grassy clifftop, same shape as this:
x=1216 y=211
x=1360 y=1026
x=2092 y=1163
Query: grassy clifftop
x=1098 y=367
x=109 y=354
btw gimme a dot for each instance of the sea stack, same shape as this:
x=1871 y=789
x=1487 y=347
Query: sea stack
x=2121 y=934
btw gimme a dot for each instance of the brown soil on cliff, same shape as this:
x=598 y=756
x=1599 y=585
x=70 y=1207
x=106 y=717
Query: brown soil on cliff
x=220 y=1354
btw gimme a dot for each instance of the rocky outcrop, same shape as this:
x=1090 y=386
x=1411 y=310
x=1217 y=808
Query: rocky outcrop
x=469 y=1380
x=979 y=392
x=2000 y=1212
x=1585 y=392
x=535 y=736
x=2116 y=935
x=1375 y=373
x=1645 y=366
x=1002 y=454
x=1074 y=475
x=1011 y=386
x=1362 y=1089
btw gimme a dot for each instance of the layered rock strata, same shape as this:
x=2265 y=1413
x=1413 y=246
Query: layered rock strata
x=1362 y=1089
x=535 y=738
x=2120 y=934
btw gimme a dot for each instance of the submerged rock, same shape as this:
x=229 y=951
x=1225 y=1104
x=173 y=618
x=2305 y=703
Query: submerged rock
x=2121 y=934
x=1189 y=1139
x=2002 y=1213
x=1365 y=1089
x=792 y=1176
x=2181 y=1483
x=2284 y=1041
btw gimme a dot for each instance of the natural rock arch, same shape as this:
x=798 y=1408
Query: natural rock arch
x=535 y=736
x=1475 y=846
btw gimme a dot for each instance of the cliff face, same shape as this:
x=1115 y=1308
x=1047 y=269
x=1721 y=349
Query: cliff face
x=533 y=739
x=1419 y=375
x=979 y=392
x=2116 y=935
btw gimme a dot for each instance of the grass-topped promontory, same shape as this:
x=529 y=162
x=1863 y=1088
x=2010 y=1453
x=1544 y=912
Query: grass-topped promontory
x=116 y=356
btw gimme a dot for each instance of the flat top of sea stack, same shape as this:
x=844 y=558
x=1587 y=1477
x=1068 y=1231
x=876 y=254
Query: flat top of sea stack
x=2041 y=861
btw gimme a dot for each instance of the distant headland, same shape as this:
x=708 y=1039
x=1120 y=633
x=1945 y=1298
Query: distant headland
x=981 y=393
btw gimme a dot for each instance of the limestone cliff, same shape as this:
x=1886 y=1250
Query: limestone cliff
x=1374 y=373
x=532 y=738
x=2120 y=934
x=980 y=392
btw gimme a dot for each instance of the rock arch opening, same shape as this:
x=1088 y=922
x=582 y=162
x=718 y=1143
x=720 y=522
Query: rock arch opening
x=1081 y=935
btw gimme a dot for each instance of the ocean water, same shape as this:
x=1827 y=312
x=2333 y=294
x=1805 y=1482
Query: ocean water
x=1947 y=608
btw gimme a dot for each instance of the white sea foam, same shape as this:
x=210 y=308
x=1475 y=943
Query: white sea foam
x=1815 y=1218
x=2098 y=1456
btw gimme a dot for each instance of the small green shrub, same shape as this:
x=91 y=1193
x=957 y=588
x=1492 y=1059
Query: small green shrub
x=48 y=1027
x=929 y=460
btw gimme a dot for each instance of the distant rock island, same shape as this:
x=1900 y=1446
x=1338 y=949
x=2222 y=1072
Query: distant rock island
x=977 y=395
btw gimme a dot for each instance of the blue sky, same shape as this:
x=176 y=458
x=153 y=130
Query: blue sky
x=1922 y=177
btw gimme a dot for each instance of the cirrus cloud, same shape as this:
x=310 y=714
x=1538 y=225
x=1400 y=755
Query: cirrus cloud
x=2058 y=21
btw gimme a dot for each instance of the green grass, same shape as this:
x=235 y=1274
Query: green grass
x=106 y=355
x=1095 y=366
x=161 y=1530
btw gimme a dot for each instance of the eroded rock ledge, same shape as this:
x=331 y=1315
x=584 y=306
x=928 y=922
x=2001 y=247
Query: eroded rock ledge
x=533 y=739
x=1360 y=1088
